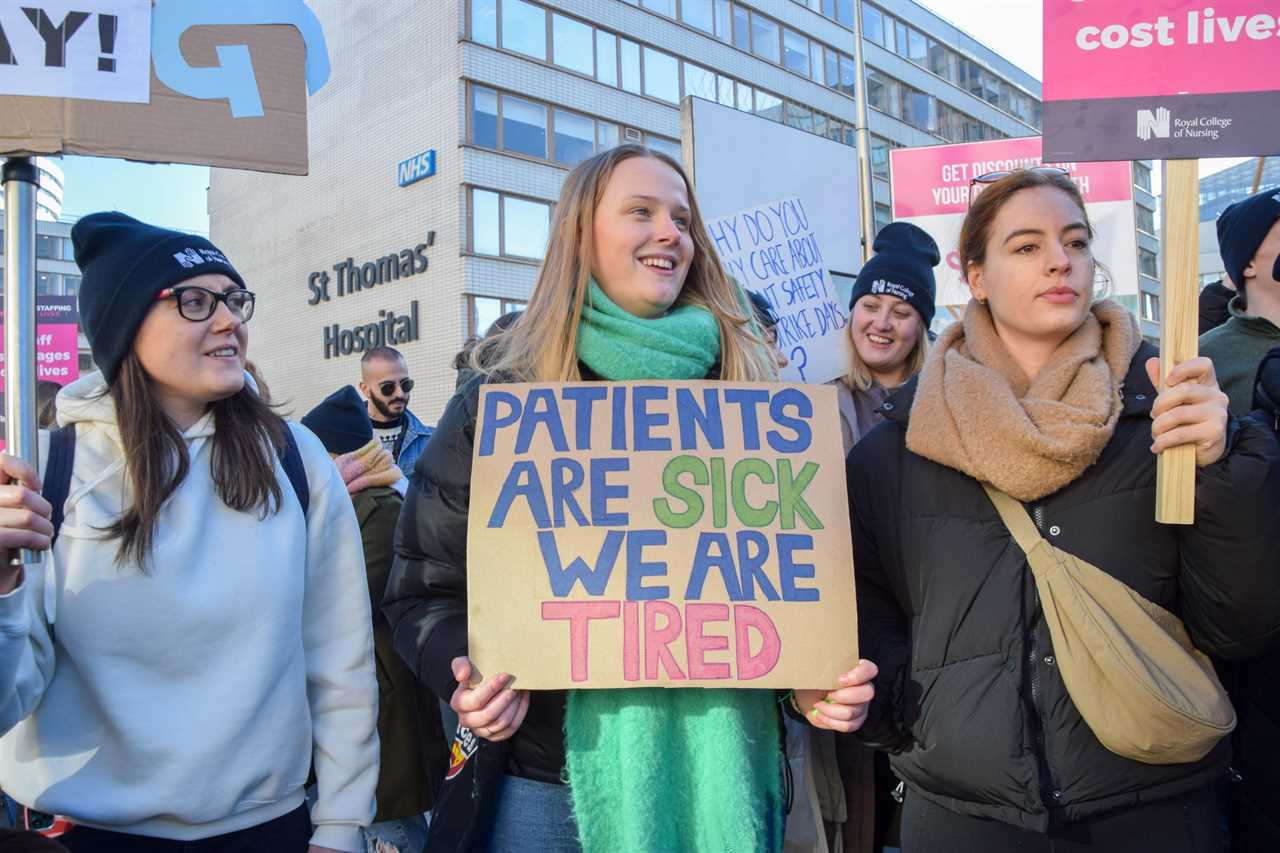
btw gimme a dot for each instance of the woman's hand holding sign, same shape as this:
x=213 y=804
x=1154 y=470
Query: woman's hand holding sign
x=843 y=709
x=491 y=709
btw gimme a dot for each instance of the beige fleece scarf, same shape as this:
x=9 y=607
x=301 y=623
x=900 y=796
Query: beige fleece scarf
x=369 y=466
x=976 y=411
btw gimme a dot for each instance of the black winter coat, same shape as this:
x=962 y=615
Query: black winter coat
x=1255 y=690
x=969 y=698
x=426 y=598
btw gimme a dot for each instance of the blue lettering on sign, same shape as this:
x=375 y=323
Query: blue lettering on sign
x=417 y=167
x=233 y=77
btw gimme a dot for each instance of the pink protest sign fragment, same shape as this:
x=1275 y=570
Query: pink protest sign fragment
x=1160 y=79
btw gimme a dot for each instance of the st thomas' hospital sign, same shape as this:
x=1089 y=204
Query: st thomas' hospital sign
x=349 y=277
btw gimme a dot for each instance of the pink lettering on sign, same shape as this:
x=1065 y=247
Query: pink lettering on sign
x=748 y=619
x=938 y=179
x=579 y=614
x=1103 y=49
x=698 y=642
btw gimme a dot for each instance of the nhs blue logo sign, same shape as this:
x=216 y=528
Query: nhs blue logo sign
x=417 y=167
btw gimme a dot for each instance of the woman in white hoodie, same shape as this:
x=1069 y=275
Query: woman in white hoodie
x=198 y=638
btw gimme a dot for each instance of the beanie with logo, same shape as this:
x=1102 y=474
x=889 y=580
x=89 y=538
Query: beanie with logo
x=124 y=264
x=903 y=267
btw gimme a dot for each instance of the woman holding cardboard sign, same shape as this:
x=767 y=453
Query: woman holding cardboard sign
x=631 y=289
x=1038 y=635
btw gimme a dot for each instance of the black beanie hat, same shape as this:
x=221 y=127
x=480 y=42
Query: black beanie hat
x=341 y=421
x=902 y=266
x=123 y=264
x=1241 y=229
x=765 y=315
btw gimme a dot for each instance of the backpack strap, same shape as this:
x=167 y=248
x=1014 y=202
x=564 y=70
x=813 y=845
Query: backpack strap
x=291 y=460
x=57 y=473
x=1015 y=518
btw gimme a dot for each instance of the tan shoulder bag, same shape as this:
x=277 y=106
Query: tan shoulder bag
x=1131 y=669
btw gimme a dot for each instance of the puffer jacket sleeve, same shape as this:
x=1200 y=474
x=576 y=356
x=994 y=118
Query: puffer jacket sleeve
x=426 y=598
x=883 y=624
x=1230 y=581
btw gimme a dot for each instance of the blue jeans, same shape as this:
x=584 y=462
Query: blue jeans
x=530 y=815
x=406 y=835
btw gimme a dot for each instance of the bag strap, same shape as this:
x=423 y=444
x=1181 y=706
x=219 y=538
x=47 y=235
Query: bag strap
x=291 y=461
x=1016 y=518
x=57 y=473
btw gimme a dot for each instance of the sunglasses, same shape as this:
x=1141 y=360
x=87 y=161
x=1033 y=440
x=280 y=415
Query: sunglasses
x=198 y=303
x=389 y=387
x=992 y=177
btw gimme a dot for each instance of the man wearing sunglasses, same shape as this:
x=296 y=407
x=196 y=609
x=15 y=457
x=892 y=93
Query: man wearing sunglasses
x=385 y=385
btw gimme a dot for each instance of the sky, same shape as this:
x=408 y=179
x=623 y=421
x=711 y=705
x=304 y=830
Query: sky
x=174 y=196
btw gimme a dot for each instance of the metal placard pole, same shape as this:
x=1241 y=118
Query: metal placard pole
x=21 y=179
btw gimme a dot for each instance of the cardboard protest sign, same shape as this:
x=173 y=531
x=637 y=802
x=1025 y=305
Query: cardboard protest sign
x=57 y=340
x=676 y=534
x=92 y=49
x=931 y=188
x=228 y=87
x=1166 y=79
x=773 y=250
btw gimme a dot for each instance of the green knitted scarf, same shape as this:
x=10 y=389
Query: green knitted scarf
x=655 y=770
x=681 y=344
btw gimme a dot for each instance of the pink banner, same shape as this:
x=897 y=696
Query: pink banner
x=1129 y=49
x=937 y=179
x=57 y=342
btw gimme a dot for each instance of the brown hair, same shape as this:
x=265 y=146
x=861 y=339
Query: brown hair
x=976 y=229
x=544 y=344
x=247 y=437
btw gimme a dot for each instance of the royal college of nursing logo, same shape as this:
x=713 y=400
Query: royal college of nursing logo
x=190 y=257
x=892 y=288
x=1153 y=123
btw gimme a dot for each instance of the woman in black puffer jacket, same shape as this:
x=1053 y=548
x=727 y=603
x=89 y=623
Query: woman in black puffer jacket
x=1049 y=397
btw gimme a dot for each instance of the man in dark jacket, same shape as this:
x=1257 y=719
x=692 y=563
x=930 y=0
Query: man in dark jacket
x=412 y=752
x=1255 y=692
x=970 y=698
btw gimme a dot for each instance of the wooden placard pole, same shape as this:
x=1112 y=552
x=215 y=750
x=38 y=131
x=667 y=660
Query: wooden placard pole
x=1176 y=467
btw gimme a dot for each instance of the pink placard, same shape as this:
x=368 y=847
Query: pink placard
x=1127 y=49
x=937 y=179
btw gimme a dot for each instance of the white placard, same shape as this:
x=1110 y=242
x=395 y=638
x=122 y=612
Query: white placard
x=772 y=249
x=96 y=50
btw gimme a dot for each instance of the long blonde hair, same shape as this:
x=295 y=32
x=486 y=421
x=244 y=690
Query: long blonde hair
x=859 y=377
x=542 y=346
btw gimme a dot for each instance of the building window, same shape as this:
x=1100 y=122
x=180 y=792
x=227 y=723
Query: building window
x=1142 y=175
x=662 y=7
x=764 y=38
x=524 y=127
x=575 y=137
x=664 y=146
x=1150 y=307
x=741 y=28
x=880 y=157
x=724 y=21
x=572 y=45
x=1146 y=219
x=795 y=52
x=872 y=24
x=524 y=28
x=484 y=117
x=768 y=106
x=1148 y=264
x=844 y=12
x=509 y=226
x=699 y=82
x=698 y=13
x=745 y=101
x=661 y=76
x=630 y=66
x=484 y=21
x=485 y=310
x=51 y=247
x=848 y=75
x=883 y=216
x=507 y=123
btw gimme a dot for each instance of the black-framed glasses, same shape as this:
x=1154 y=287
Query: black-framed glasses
x=197 y=303
x=389 y=387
